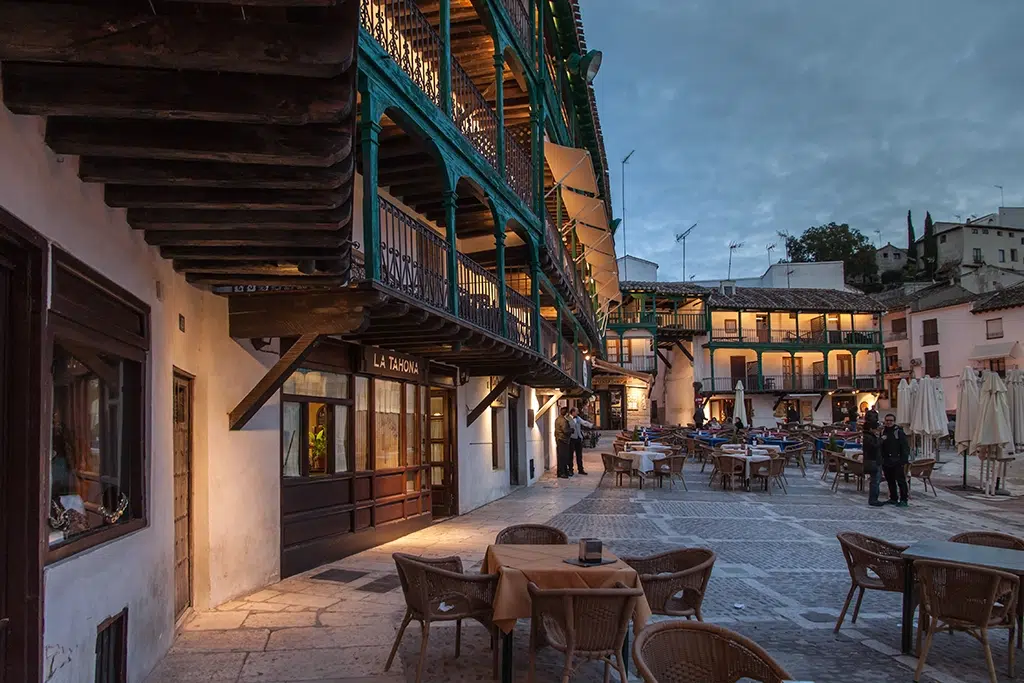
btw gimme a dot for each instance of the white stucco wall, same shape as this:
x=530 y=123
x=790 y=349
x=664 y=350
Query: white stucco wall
x=537 y=439
x=674 y=386
x=236 y=537
x=479 y=482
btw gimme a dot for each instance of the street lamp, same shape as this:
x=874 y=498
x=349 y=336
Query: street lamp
x=681 y=237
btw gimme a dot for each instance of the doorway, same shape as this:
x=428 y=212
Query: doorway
x=615 y=412
x=513 y=437
x=737 y=369
x=444 y=476
x=761 y=326
x=182 y=493
x=845 y=371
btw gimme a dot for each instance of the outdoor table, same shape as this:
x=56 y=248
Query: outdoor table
x=713 y=440
x=518 y=565
x=643 y=461
x=854 y=453
x=1003 y=559
x=820 y=444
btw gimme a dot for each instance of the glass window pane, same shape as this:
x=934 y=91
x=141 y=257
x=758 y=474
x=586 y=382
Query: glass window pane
x=317 y=383
x=387 y=412
x=360 y=449
x=290 y=439
x=412 y=481
x=319 y=432
x=424 y=416
x=341 y=439
x=412 y=441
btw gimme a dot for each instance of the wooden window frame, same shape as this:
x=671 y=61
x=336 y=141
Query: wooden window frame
x=937 y=367
x=988 y=328
x=70 y=318
x=931 y=339
x=903 y=326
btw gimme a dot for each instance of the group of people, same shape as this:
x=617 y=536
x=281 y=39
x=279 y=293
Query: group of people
x=886 y=453
x=569 y=441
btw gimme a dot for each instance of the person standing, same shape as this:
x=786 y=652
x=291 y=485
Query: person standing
x=872 y=448
x=792 y=416
x=895 y=450
x=576 y=440
x=563 y=431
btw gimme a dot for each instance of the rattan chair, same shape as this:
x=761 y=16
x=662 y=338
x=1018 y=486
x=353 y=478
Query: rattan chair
x=429 y=582
x=531 y=534
x=771 y=471
x=675 y=581
x=833 y=463
x=848 y=467
x=671 y=468
x=589 y=623
x=693 y=652
x=992 y=539
x=729 y=468
x=883 y=559
x=970 y=599
x=922 y=469
x=798 y=453
x=617 y=467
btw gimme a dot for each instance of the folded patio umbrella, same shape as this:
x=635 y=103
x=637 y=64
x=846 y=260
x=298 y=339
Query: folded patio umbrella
x=918 y=409
x=1015 y=400
x=938 y=424
x=966 y=415
x=740 y=408
x=992 y=434
x=903 y=403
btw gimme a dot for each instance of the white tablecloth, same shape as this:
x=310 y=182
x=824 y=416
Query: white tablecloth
x=643 y=461
x=851 y=452
x=756 y=455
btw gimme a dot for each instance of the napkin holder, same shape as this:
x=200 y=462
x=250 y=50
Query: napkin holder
x=590 y=550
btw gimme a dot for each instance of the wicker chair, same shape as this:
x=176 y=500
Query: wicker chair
x=671 y=468
x=922 y=469
x=589 y=623
x=426 y=582
x=798 y=453
x=833 y=463
x=885 y=560
x=849 y=467
x=773 y=470
x=992 y=539
x=970 y=599
x=531 y=534
x=675 y=581
x=729 y=468
x=692 y=652
x=617 y=467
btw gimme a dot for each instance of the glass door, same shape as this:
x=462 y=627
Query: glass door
x=443 y=474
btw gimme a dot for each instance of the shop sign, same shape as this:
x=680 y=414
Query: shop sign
x=387 y=363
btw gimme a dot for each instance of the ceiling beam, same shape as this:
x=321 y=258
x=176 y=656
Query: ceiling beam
x=160 y=173
x=291 y=314
x=198 y=219
x=144 y=196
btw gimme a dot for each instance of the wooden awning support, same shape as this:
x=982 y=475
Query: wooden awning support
x=271 y=381
x=611 y=367
x=684 y=350
x=487 y=400
x=663 y=359
x=547 y=405
x=820 y=401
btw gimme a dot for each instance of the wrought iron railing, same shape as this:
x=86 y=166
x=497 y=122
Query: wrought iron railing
x=519 y=317
x=406 y=34
x=793 y=382
x=413 y=258
x=474 y=116
x=520 y=17
x=478 y=295
x=893 y=335
x=568 y=353
x=685 y=321
x=791 y=336
x=518 y=167
x=548 y=341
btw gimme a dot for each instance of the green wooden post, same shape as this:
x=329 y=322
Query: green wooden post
x=760 y=371
x=450 y=200
x=796 y=327
x=853 y=367
x=535 y=292
x=499 y=255
x=499 y=106
x=446 y=56
x=558 y=333
x=577 y=361
x=537 y=138
x=824 y=366
x=370 y=141
x=711 y=356
x=739 y=325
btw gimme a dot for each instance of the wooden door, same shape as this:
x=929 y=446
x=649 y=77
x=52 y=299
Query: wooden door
x=5 y=486
x=441 y=456
x=513 y=439
x=737 y=370
x=845 y=371
x=182 y=493
x=761 y=326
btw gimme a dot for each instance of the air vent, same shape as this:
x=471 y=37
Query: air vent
x=112 y=649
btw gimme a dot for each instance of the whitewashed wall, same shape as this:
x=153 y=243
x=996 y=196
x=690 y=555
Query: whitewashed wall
x=236 y=531
x=479 y=482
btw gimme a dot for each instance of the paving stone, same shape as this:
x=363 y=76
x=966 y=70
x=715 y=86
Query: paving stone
x=215 y=621
x=280 y=620
x=237 y=640
x=303 y=600
x=198 y=667
x=300 y=665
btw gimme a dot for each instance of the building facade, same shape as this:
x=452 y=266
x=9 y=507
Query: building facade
x=996 y=239
x=262 y=309
x=890 y=257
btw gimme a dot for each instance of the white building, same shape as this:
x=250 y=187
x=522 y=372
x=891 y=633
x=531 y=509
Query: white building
x=635 y=268
x=785 y=275
x=890 y=257
x=996 y=239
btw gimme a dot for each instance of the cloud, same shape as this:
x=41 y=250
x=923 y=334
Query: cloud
x=755 y=116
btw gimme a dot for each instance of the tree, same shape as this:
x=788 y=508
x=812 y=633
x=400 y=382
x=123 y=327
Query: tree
x=911 y=240
x=931 y=247
x=836 y=242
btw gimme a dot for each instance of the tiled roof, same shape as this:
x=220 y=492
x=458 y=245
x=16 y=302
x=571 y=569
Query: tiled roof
x=941 y=296
x=900 y=297
x=772 y=299
x=1011 y=297
x=663 y=287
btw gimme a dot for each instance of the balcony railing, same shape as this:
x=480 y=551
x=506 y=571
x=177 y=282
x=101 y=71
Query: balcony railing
x=413 y=258
x=808 y=337
x=892 y=335
x=548 y=341
x=753 y=383
x=478 y=295
x=407 y=36
x=568 y=354
x=636 y=362
x=520 y=17
x=520 y=318
x=565 y=265
x=693 y=322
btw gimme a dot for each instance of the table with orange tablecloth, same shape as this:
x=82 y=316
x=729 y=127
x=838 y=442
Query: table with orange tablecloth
x=518 y=565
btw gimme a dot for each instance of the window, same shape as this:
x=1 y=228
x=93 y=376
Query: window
x=897 y=256
x=361 y=425
x=885 y=254
x=977 y=255
x=731 y=326
x=984 y=231
x=994 y=328
x=931 y=364
x=98 y=441
x=974 y=231
x=612 y=348
x=497 y=442
x=998 y=365
x=315 y=424
x=942 y=239
x=999 y=233
x=387 y=395
x=899 y=326
x=1002 y=256
x=930 y=332
x=1013 y=255
x=892 y=358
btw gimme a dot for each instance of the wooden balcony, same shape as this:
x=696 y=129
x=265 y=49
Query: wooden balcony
x=809 y=338
x=559 y=266
x=780 y=384
x=694 y=323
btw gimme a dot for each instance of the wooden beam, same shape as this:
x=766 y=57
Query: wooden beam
x=290 y=314
x=547 y=405
x=663 y=359
x=145 y=197
x=131 y=35
x=272 y=381
x=822 y=398
x=314 y=145
x=239 y=238
x=232 y=280
x=487 y=400
x=684 y=350
x=159 y=173
x=202 y=219
x=109 y=92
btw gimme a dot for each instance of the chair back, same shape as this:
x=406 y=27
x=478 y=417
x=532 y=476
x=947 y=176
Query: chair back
x=884 y=559
x=731 y=464
x=676 y=463
x=684 y=651
x=778 y=465
x=678 y=577
x=413 y=572
x=608 y=460
x=589 y=620
x=992 y=539
x=531 y=534
x=966 y=594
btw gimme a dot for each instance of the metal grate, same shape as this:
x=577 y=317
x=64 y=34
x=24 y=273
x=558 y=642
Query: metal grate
x=112 y=649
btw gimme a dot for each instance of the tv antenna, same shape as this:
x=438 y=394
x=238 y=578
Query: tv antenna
x=733 y=246
x=681 y=237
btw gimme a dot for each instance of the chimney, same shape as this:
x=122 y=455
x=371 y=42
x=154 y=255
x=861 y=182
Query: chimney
x=727 y=287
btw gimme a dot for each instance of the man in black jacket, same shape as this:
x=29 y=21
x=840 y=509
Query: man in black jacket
x=563 y=432
x=895 y=455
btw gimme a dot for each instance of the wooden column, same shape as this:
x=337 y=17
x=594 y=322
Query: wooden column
x=446 y=56
x=499 y=257
x=558 y=333
x=537 y=137
x=370 y=133
x=739 y=325
x=711 y=356
x=450 y=200
x=760 y=371
x=499 y=107
x=535 y=292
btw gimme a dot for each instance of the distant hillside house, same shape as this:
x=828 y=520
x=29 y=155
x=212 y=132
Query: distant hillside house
x=890 y=257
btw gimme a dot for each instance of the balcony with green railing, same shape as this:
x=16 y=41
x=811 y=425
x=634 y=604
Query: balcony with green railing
x=793 y=337
x=792 y=383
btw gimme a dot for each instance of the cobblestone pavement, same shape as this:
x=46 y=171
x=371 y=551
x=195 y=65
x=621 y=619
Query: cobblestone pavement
x=780 y=579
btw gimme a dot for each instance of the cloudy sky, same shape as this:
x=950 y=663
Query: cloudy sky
x=755 y=116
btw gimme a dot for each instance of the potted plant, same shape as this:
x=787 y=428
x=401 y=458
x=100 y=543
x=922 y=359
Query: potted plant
x=318 y=448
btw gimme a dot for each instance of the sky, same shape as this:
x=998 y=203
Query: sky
x=751 y=117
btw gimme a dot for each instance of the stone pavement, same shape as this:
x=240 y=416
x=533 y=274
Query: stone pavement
x=780 y=578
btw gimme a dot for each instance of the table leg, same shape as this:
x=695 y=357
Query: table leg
x=625 y=652
x=907 y=633
x=506 y=657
